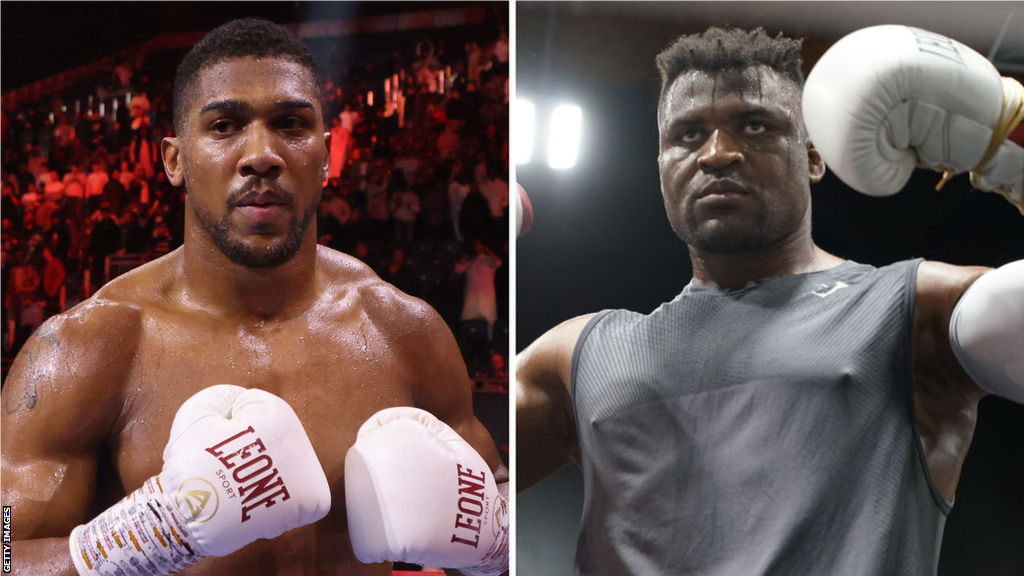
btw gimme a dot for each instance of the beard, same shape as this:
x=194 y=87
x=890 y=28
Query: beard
x=241 y=253
x=720 y=239
x=729 y=236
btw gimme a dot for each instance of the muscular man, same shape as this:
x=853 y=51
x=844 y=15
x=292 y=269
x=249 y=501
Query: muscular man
x=789 y=412
x=249 y=300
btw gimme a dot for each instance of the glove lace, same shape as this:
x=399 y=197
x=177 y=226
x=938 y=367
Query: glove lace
x=1010 y=115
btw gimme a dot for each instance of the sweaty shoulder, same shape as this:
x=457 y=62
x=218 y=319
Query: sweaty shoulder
x=424 y=352
x=939 y=288
x=98 y=336
x=349 y=283
x=936 y=279
x=66 y=387
x=415 y=332
x=149 y=285
x=89 y=350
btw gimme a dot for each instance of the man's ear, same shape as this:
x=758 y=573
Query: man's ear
x=815 y=165
x=170 y=149
x=327 y=157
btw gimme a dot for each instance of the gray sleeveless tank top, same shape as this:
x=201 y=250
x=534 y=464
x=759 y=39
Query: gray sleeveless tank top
x=766 y=430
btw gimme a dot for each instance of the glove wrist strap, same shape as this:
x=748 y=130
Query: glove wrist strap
x=141 y=535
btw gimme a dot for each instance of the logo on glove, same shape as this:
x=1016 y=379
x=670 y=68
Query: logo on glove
x=936 y=44
x=472 y=505
x=253 y=469
x=499 y=520
x=193 y=500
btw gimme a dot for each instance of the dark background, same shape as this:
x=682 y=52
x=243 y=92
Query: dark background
x=44 y=38
x=601 y=238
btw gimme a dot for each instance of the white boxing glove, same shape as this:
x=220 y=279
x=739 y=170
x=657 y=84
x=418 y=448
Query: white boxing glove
x=238 y=467
x=417 y=492
x=887 y=99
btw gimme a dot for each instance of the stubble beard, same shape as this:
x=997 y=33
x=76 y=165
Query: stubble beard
x=732 y=238
x=239 y=252
x=712 y=239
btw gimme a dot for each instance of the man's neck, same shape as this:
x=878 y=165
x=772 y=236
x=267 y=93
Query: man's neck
x=732 y=271
x=213 y=283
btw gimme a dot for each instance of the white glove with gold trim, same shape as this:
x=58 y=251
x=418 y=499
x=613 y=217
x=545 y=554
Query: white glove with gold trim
x=885 y=100
x=238 y=467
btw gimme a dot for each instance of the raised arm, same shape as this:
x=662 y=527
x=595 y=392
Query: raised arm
x=945 y=398
x=545 y=422
x=61 y=400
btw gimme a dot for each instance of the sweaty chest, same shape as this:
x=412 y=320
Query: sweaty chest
x=334 y=378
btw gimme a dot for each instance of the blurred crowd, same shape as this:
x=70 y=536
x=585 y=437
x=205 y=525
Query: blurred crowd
x=417 y=188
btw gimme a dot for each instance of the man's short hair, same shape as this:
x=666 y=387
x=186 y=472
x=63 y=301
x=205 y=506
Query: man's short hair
x=237 y=39
x=719 y=49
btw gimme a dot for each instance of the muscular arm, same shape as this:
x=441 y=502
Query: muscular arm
x=60 y=402
x=448 y=394
x=945 y=398
x=442 y=386
x=440 y=383
x=545 y=423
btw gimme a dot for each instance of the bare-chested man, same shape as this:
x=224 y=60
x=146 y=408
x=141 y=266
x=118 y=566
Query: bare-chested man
x=249 y=300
